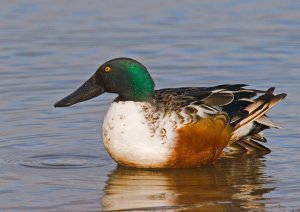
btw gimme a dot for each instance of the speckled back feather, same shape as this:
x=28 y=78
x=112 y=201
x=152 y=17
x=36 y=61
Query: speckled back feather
x=234 y=100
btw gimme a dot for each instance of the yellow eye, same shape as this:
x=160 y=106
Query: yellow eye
x=107 y=69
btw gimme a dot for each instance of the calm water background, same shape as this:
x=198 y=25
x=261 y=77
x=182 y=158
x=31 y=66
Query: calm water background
x=53 y=159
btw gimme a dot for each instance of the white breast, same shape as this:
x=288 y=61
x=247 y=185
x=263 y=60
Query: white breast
x=129 y=139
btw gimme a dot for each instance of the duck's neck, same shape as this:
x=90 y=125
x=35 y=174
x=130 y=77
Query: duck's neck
x=137 y=86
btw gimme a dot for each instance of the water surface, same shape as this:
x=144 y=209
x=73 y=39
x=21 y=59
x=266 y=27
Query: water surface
x=53 y=159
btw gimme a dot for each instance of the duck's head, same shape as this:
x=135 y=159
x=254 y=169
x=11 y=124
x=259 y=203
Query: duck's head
x=123 y=76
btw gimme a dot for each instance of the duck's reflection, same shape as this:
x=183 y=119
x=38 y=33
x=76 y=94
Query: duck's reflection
x=229 y=184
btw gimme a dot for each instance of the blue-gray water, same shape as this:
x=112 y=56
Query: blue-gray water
x=53 y=159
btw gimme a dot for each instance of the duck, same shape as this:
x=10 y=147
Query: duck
x=184 y=127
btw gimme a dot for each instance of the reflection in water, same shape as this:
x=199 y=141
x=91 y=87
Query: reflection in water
x=231 y=183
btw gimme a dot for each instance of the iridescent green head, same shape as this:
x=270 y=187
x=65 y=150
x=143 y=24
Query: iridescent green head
x=123 y=76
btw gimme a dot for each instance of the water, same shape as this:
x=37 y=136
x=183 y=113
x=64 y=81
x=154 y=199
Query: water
x=53 y=159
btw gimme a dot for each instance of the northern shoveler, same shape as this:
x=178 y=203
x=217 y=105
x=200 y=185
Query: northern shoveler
x=174 y=127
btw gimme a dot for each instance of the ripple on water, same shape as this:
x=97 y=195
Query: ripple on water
x=55 y=161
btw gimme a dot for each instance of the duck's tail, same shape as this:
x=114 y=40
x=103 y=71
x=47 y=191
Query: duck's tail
x=249 y=122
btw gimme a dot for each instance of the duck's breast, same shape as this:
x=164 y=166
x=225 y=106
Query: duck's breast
x=131 y=140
